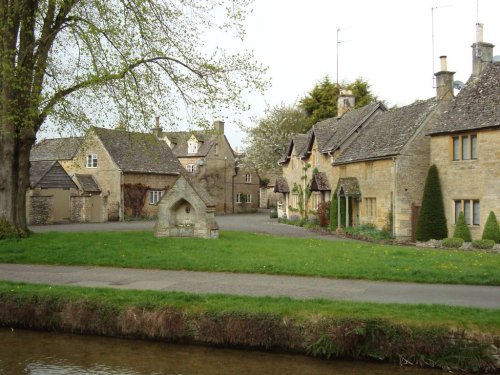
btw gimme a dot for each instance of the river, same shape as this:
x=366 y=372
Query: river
x=43 y=353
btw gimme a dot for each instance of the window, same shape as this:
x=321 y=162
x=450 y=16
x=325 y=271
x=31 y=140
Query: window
x=295 y=200
x=216 y=149
x=464 y=147
x=371 y=207
x=91 y=161
x=248 y=177
x=243 y=198
x=192 y=146
x=470 y=208
x=316 y=200
x=190 y=168
x=154 y=196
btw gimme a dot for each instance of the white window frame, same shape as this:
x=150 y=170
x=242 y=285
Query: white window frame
x=191 y=168
x=248 y=197
x=192 y=146
x=248 y=178
x=91 y=161
x=155 y=196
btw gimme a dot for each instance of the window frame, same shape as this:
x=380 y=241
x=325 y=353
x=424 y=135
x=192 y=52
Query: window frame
x=155 y=196
x=370 y=207
x=473 y=218
x=464 y=147
x=190 y=168
x=192 y=146
x=91 y=161
x=248 y=178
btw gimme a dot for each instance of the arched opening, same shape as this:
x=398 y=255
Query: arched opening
x=183 y=214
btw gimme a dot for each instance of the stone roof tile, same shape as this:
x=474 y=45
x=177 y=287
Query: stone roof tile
x=55 y=149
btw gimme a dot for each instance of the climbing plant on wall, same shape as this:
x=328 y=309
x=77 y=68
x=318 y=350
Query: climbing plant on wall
x=134 y=198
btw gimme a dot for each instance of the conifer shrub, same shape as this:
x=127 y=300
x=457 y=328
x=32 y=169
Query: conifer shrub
x=483 y=244
x=431 y=223
x=453 y=243
x=491 y=228
x=461 y=229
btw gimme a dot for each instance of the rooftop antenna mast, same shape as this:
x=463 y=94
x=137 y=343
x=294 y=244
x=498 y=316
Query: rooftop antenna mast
x=432 y=34
x=338 y=43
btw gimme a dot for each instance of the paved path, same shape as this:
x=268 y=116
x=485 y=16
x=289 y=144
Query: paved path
x=255 y=285
x=257 y=223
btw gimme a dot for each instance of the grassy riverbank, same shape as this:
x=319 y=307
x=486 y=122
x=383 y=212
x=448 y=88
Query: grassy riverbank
x=257 y=253
x=439 y=336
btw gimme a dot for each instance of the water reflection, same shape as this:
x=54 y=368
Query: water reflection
x=41 y=353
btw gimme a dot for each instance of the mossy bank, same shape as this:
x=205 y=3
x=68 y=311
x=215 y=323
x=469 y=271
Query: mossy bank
x=185 y=318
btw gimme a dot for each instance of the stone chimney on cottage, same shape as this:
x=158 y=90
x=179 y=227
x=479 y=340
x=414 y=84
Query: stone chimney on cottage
x=482 y=53
x=345 y=102
x=444 y=81
x=157 y=130
x=219 y=127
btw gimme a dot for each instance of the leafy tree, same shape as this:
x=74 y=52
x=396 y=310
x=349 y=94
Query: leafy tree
x=491 y=229
x=431 y=223
x=266 y=142
x=75 y=62
x=461 y=229
x=321 y=102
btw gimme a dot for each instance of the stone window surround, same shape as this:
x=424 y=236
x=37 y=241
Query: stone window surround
x=371 y=207
x=248 y=178
x=155 y=196
x=91 y=161
x=473 y=208
x=457 y=142
x=248 y=197
x=191 y=168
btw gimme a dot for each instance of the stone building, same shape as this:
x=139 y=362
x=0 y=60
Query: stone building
x=209 y=158
x=465 y=145
x=186 y=210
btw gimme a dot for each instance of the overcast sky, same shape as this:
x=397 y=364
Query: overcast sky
x=387 y=42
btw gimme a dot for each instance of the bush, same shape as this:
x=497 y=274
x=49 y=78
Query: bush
x=7 y=230
x=491 y=228
x=431 y=223
x=461 y=229
x=324 y=214
x=453 y=243
x=483 y=244
x=368 y=231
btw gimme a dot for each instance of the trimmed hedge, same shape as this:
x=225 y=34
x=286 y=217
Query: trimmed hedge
x=461 y=229
x=483 y=244
x=431 y=223
x=491 y=228
x=453 y=243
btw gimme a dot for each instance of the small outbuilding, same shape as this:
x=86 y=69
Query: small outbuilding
x=186 y=210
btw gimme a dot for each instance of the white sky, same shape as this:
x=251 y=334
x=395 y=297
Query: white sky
x=387 y=42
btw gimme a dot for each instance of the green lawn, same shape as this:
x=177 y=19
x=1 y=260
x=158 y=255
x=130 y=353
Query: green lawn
x=472 y=319
x=257 y=253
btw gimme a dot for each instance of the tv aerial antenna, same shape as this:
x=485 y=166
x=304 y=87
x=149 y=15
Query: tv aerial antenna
x=338 y=43
x=433 y=9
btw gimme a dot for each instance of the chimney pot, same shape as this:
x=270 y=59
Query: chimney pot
x=157 y=118
x=444 y=65
x=219 y=127
x=479 y=32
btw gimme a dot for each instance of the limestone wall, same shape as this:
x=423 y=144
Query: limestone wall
x=470 y=179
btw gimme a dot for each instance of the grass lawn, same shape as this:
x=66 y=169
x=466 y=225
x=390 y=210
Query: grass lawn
x=453 y=317
x=257 y=253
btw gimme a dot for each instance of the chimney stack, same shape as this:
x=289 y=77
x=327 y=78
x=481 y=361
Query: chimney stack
x=444 y=81
x=345 y=102
x=157 y=130
x=219 y=127
x=482 y=53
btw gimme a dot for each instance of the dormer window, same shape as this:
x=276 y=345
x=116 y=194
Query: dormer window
x=91 y=161
x=192 y=145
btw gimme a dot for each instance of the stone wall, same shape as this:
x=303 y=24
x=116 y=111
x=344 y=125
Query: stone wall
x=40 y=209
x=80 y=209
x=470 y=179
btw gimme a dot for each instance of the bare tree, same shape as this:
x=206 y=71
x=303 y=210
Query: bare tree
x=81 y=61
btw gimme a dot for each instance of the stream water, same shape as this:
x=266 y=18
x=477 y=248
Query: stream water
x=43 y=353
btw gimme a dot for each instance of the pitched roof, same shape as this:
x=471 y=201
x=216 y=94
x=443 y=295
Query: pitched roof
x=55 y=149
x=49 y=174
x=330 y=133
x=477 y=105
x=179 y=142
x=320 y=182
x=281 y=186
x=136 y=152
x=87 y=183
x=387 y=133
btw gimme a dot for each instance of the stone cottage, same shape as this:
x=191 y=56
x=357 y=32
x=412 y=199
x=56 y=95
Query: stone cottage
x=209 y=158
x=465 y=144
